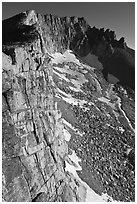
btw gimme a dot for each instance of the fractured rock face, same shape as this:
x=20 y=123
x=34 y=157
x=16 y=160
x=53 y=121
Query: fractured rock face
x=28 y=157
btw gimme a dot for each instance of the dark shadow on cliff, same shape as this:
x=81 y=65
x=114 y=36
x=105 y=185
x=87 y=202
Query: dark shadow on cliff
x=121 y=64
x=14 y=31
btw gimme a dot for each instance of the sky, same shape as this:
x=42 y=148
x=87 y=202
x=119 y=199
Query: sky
x=117 y=16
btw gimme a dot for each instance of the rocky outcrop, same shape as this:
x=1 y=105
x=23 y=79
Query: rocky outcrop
x=34 y=148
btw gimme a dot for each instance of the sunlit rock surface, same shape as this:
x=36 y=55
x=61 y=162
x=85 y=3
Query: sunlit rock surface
x=68 y=134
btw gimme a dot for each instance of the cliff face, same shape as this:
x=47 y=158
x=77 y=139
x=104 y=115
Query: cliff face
x=34 y=146
x=38 y=111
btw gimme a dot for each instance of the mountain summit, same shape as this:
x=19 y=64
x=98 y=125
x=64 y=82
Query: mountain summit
x=68 y=111
x=61 y=33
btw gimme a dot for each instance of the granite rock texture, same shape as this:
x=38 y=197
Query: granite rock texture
x=34 y=148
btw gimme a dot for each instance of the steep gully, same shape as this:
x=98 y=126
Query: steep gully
x=39 y=81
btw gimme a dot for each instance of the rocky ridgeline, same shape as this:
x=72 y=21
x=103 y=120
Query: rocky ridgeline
x=61 y=33
x=34 y=147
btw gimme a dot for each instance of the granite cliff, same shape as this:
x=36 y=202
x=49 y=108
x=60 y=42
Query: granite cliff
x=65 y=101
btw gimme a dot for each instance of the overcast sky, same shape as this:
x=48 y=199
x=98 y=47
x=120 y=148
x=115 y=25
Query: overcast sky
x=117 y=16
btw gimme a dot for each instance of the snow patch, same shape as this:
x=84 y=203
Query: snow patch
x=113 y=106
x=123 y=112
x=57 y=58
x=128 y=151
x=69 y=99
x=68 y=124
x=62 y=92
x=74 y=101
x=68 y=56
x=71 y=127
x=61 y=76
x=67 y=135
x=77 y=78
x=74 y=89
x=77 y=84
x=74 y=160
x=107 y=101
x=112 y=95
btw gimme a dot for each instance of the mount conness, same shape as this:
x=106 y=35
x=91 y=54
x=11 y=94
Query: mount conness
x=68 y=111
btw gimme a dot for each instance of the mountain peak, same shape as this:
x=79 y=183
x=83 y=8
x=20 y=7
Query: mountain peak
x=58 y=34
x=31 y=17
x=67 y=111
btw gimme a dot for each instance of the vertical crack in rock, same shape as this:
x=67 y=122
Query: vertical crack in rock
x=35 y=132
x=35 y=199
x=6 y=100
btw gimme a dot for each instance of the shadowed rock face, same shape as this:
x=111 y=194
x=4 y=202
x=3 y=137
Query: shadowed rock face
x=55 y=100
x=122 y=65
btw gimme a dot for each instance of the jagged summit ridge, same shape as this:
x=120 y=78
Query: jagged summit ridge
x=57 y=34
x=31 y=14
x=72 y=27
x=31 y=17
